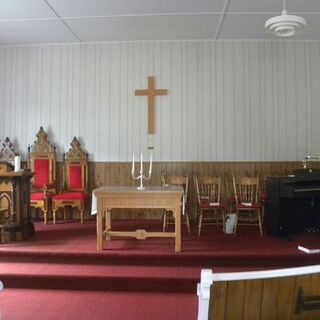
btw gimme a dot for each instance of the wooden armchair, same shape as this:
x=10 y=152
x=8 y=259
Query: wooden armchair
x=248 y=205
x=42 y=161
x=179 y=180
x=7 y=155
x=75 y=181
x=230 y=198
x=209 y=202
x=6 y=205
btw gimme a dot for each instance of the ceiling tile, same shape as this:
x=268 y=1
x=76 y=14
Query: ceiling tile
x=251 y=26
x=303 y=6
x=145 y=27
x=245 y=26
x=85 y=8
x=38 y=31
x=265 y=6
x=312 y=29
x=22 y=9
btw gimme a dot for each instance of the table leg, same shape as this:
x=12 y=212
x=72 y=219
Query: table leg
x=108 y=223
x=99 y=227
x=177 y=227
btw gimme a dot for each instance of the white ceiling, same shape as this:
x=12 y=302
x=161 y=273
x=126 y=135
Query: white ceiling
x=59 y=21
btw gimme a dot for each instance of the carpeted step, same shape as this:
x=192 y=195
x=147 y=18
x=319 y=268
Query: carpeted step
x=242 y=258
x=26 y=304
x=99 y=277
x=104 y=277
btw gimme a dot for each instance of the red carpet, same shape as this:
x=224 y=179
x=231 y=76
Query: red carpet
x=21 y=304
x=64 y=257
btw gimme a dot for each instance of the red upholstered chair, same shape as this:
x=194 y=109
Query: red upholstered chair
x=75 y=176
x=210 y=209
x=42 y=161
x=248 y=205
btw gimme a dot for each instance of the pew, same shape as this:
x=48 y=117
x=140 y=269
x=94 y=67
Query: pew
x=283 y=294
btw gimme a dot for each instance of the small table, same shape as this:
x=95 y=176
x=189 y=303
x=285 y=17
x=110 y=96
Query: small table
x=112 y=197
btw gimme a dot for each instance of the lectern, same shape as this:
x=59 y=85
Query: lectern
x=15 y=219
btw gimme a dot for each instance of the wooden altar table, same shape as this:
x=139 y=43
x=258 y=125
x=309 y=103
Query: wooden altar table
x=111 y=197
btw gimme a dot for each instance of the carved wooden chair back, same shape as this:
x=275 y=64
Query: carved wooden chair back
x=75 y=168
x=208 y=189
x=246 y=189
x=178 y=180
x=7 y=153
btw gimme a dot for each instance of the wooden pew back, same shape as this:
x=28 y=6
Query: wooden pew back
x=285 y=294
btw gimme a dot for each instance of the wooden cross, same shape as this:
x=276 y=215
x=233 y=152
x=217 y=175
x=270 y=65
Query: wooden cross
x=151 y=92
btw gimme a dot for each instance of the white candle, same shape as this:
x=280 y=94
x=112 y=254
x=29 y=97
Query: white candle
x=17 y=163
x=141 y=165
x=132 y=170
x=150 y=167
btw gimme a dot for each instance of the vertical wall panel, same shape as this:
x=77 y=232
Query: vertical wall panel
x=246 y=108
x=219 y=75
x=290 y=101
x=315 y=94
x=213 y=102
x=282 y=99
x=227 y=101
x=301 y=102
x=192 y=101
x=239 y=101
x=262 y=102
x=255 y=127
x=275 y=101
x=269 y=118
x=176 y=92
x=2 y=88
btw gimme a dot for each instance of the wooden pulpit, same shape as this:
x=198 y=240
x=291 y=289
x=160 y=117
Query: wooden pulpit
x=15 y=219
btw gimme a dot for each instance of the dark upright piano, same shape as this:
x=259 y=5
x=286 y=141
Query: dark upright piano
x=293 y=202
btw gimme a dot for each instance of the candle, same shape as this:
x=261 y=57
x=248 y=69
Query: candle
x=150 y=167
x=141 y=165
x=132 y=170
x=17 y=163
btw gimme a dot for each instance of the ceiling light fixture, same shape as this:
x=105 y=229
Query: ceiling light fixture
x=285 y=25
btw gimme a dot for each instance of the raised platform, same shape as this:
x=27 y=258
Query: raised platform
x=64 y=257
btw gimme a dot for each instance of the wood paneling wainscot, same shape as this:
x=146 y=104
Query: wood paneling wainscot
x=264 y=299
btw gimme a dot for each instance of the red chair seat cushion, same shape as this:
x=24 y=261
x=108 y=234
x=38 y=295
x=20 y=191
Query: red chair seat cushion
x=40 y=195
x=253 y=206
x=70 y=196
x=264 y=196
x=207 y=205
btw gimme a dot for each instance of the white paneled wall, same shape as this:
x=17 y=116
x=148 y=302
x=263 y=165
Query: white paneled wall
x=228 y=100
